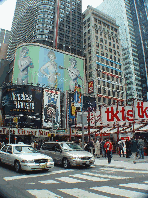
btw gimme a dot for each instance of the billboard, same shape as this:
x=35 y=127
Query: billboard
x=36 y=63
x=51 y=109
x=125 y=114
x=24 y=102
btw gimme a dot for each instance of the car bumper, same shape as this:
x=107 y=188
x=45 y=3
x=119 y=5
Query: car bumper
x=42 y=166
x=81 y=162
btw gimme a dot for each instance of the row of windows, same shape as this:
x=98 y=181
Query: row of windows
x=108 y=101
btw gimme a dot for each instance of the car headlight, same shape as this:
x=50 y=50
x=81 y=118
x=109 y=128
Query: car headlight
x=75 y=158
x=27 y=161
x=50 y=160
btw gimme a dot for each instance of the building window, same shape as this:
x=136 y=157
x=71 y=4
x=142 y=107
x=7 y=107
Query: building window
x=101 y=40
x=110 y=50
x=102 y=53
x=101 y=46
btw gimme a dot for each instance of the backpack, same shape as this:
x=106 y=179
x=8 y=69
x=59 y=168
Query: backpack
x=108 y=145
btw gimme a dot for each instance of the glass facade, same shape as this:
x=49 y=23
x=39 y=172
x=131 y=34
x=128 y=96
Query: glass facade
x=55 y=23
x=125 y=17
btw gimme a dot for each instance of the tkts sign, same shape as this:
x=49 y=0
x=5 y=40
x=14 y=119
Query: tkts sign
x=91 y=87
x=124 y=114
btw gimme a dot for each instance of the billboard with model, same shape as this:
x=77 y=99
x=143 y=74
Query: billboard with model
x=51 y=108
x=36 y=63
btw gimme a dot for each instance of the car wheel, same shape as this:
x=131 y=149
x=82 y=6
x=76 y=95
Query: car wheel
x=87 y=165
x=17 y=166
x=66 y=163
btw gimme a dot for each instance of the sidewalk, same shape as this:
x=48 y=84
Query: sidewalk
x=123 y=162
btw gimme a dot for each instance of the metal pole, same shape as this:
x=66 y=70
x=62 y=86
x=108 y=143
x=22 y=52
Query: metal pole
x=82 y=117
x=52 y=125
x=82 y=130
x=9 y=133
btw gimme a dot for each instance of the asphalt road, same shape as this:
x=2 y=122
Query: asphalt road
x=94 y=182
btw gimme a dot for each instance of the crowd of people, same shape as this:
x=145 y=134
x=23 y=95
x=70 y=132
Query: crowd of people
x=130 y=148
x=105 y=148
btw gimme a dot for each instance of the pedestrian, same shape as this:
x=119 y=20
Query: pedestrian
x=112 y=148
x=91 y=144
x=141 y=148
x=134 y=149
x=87 y=147
x=97 y=149
x=103 y=149
x=128 y=148
x=108 y=148
x=121 y=147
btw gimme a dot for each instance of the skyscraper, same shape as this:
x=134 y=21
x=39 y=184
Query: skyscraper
x=4 y=40
x=55 y=23
x=131 y=16
x=103 y=57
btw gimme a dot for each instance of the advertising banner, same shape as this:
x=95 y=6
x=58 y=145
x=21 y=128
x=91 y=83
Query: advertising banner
x=51 y=111
x=24 y=102
x=124 y=114
x=91 y=87
x=35 y=63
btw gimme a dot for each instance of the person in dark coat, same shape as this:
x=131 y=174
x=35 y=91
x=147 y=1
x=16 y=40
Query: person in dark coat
x=134 y=149
x=128 y=148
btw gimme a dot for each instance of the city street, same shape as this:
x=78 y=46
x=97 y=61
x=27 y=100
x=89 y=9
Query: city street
x=121 y=178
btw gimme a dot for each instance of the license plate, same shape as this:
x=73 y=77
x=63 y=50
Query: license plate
x=43 y=165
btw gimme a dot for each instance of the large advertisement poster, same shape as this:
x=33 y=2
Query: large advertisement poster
x=51 y=110
x=24 y=102
x=35 y=63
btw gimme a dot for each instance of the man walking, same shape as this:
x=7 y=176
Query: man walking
x=108 y=147
x=103 y=149
x=121 y=147
x=134 y=149
x=141 y=148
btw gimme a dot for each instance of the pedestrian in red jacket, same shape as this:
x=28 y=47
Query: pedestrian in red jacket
x=108 y=148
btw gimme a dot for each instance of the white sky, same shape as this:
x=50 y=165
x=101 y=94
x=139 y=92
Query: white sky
x=8 y=6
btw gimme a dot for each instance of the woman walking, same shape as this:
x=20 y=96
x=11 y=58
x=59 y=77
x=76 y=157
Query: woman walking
x=108 y=148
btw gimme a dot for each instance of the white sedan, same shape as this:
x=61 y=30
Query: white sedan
x=25 y=157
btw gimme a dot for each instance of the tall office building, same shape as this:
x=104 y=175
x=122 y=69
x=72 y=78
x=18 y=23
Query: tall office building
x=4 y=40
x=55 y=23
x=103 y=57
x=131 y=16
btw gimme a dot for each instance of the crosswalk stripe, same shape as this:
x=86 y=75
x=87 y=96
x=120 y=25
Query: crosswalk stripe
x=120 y=192
x=69 y=180
x=43 y=193
x=81 y=193
x=35 y=175
x=135 y=185
x=89 y=177
x=123 y=170
x=108 y=176
x=48 y=182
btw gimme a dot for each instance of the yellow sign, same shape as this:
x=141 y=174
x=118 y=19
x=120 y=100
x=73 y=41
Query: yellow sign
x=15 y=119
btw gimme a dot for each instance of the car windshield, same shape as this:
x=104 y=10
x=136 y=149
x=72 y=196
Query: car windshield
x=24 y=149
x=71 y=147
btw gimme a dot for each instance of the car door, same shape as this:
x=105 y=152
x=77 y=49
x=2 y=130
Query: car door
x=9 y=156
x=3 y=154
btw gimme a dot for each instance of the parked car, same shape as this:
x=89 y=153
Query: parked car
x=24 y=157
x=67 y=154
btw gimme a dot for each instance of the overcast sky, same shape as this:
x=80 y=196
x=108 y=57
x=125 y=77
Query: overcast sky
x=7 y=8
